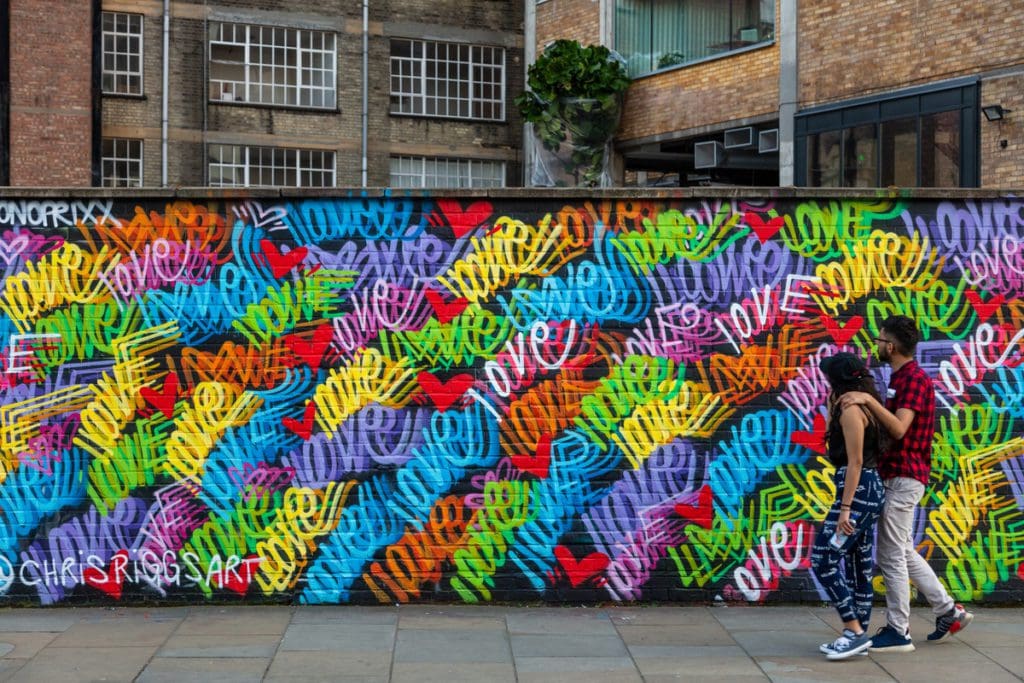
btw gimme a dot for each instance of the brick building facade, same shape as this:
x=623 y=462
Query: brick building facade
x=829 y=93
x=266 y=92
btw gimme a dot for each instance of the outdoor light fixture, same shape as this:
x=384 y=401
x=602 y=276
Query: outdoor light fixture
x=995 y=112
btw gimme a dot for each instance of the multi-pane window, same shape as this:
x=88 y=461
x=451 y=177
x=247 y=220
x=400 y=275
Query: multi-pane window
x=272 y=65
x=451 y=80
x=413 y=172
x=244 y=166
x=122 y=53
x=657 y=34
x=122 y=162
x=926 y=138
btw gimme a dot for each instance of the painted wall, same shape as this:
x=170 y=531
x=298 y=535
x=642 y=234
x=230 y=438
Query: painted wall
x=484 y=397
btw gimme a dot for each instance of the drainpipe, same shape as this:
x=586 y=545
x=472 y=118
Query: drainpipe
x=165 y=97
x=366 y=88
x=529 y=57
x=788 y=90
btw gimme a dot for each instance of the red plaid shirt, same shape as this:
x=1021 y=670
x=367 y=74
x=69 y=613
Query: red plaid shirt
x=911 y=456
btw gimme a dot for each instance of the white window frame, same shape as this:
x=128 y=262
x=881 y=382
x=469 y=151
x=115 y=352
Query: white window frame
x=412 y=172
x=250 y=164
x=121 y=78
x=272 y=65
x=124 y=153
x=421 y=83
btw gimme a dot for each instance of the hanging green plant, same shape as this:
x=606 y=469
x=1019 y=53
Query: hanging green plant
x=575 y=94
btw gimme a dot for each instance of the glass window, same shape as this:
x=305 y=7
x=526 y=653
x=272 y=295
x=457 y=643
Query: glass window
x=122 y=53
x=656 y=34
x=824 y=155
x=272 y=65
x=940 y=150
x=245 y=166
x=122 y=162
x=899 y=152
x=860 y=156
x=418 y=172
x=451 y=80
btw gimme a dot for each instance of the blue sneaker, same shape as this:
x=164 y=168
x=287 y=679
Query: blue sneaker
x=889 y=639
x=828 y=648
x=848 y=645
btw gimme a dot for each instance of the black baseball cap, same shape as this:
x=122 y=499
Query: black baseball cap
x=843 y=368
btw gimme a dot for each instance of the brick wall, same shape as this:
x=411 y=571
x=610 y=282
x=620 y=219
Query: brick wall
x=570 y=19
x=51 y=93
x=479 y=397
x=845 y=51
x=485 y=22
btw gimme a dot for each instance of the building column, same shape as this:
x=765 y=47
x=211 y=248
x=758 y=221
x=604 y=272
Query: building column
x=789 y=89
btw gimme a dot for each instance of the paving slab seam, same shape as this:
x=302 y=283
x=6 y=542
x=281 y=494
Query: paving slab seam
x=394 y=642
x=738 y=643
x=280 y=641
x=156 y=650
x=629 y=650
x=511 y=650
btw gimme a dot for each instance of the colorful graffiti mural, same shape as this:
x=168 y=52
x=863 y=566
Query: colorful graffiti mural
x=397 y=399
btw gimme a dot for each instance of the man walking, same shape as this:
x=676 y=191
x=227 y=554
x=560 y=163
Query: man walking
x=909 y=417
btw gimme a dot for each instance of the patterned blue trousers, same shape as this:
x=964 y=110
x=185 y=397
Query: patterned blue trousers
x=849 y=587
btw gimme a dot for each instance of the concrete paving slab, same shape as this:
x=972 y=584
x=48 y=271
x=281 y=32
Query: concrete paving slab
x=917 y=666
x=104 y=614
x=9 y=667
x=25 y=645
x=416 y=645
x=578 y=621
x=567 y=645
x=441 y=672
x=581 y=677
x=697 y=677
x=659 y=616
x=782 y=643
x=689 y=664
x=710 y=634
x=81 y=664
x=819 y=669
x=207 y=670
x=771 y=618
x=347 y=614
x=137 y=632
x=255 y=620
x=1010 y=658
x=330 y=665
x=24 y=620
x=991 y=633
x=231 y=645
x=339 y=636
x=450 y=623
x=556 y=665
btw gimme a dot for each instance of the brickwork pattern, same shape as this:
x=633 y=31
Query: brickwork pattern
x=485 y=396
x=51 y=94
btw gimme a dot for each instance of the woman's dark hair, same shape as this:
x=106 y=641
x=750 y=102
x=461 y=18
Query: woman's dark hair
x=865 y=384
x=904 y=332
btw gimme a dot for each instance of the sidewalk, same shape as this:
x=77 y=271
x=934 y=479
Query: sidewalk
x=482 y=644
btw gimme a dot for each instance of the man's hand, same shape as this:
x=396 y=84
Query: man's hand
x=855 y=398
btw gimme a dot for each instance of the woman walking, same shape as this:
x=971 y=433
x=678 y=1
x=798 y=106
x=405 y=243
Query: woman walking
x=847 y=534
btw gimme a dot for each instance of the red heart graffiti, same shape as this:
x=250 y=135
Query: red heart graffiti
x=234 y=581
x=764 y=231
x=461 y=220
x=446 y=311
x=111 y=581
x=281 y=264
x=842 y=333
x=444 y=394
x=164 y=399
x=1020 y=571
x=311 y=352
x=984 y=310
x=582 y=570
x=539 y=463
x=814 y=439
x=303 y=429
x=702 y=513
